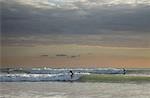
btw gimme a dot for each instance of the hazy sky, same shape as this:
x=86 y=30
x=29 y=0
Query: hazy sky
x=116 y=23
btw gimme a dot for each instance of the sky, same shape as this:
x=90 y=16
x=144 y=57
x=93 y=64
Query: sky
x=74 y=23
x=93 y=22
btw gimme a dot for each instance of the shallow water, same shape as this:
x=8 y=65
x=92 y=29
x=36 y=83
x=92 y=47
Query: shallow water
x=73 y=90
x=50 y=74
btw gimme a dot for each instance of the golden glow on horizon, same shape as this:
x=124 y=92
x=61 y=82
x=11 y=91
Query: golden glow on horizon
x=83 y=55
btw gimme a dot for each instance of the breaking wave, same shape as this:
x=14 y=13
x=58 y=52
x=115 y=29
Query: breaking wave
x=51 y=74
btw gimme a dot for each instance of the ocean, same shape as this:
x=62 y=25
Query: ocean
x=51 y=74
x=57 y=83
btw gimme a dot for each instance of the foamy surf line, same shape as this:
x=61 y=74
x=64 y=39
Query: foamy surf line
x=62 y=70
x=71 y=74
x=51 y=74
x=39 y=77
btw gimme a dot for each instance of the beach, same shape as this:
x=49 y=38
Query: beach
x=73 y=90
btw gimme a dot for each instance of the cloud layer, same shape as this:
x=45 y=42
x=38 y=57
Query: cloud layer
x=126 y=21
x=77 y=4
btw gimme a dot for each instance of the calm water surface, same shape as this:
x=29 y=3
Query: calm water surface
x=73 y=90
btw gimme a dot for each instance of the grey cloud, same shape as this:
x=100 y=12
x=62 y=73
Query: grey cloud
x=25 y=19
x=123 y=20
x=119 y=40
x=71 y=3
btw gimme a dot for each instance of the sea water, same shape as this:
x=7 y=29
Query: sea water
x=51 y=74
x=73 y=90
x=16 y=83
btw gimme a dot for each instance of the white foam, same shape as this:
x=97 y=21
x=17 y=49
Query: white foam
x=82 y=70
x=53 y=74
x=39 y=77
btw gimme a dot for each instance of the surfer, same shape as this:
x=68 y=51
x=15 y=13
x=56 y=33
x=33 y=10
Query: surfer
x=124 y=71
x=8 y=71
x=71 y=74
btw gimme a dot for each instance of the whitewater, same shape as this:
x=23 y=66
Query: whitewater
x=51 y=74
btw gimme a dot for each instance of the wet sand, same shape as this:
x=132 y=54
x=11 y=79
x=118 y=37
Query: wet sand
x=73 y=90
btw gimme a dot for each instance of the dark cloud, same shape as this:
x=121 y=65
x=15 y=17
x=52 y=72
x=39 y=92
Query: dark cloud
x=24 y=19
x=18 y=18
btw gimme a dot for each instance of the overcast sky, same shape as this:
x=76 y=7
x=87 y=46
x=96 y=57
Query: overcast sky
x=118 y=23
